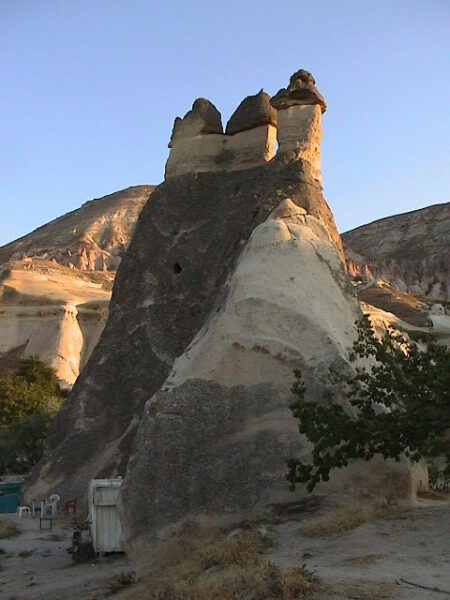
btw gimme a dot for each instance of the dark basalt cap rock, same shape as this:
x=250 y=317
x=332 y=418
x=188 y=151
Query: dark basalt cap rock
x=301 y=90
x=252 y=112
x=202 y=118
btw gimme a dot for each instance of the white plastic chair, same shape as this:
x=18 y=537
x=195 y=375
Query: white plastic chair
x=23 y=511
x=53 y=502
x=49 y=505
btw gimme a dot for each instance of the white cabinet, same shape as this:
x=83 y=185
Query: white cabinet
x=104 y=518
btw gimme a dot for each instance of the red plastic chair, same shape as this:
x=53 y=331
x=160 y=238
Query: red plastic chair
x=70 y=505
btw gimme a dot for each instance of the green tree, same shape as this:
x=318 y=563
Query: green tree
x=28 y=401
x=22 y=444
x=37 y=372
x=34 y=388
x=399 y=401
x=15 y=400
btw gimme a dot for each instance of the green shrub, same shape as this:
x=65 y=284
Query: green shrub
x=399 y=404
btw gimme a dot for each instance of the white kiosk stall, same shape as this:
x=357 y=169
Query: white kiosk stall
x=104 y=518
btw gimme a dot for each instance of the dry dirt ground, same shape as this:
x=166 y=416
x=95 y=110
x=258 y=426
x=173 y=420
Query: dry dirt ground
x=371 y=562
x=37 y=565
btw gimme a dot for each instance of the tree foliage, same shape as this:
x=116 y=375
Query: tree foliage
x=22 y=444
x=399 y=401
x=37 y=372
x=34 y=388
x=28 y=401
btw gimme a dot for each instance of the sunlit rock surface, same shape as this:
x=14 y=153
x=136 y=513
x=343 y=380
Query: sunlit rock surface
x=411 y=251
x=234 y=277
x=56 y=282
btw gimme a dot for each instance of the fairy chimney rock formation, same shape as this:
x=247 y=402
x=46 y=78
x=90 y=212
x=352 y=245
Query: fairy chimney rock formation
x=300 y=107
x=292 y=117
x=235 y=277
x=301 y=91
x=203 y=118
x=198 y=145
x=252 y=112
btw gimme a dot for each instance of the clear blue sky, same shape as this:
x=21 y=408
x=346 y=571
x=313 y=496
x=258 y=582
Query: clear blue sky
x=90 y=88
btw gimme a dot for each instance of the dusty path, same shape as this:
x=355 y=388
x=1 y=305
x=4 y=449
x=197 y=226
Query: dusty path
x=367 y=563
x=36 y=565
x=370 y=561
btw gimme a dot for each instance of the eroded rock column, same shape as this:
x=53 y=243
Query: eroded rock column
x=199 y=146
x=300 y=107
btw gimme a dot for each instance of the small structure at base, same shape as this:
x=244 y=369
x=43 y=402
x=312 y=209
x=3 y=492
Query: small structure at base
x=9 y=492
x=104 y=518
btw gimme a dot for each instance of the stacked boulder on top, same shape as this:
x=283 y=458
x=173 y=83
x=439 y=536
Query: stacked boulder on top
x=293 y=116
x=300 y=107
x=202 y=118
x=301 y=91
x=252 y=112
x=199 y=145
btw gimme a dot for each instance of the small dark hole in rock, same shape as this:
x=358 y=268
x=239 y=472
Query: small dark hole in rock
x=177 y=268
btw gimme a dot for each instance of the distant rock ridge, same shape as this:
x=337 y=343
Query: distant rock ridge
x=410 y=251
x=93 y=237
x=55 y=283
x=234 y=277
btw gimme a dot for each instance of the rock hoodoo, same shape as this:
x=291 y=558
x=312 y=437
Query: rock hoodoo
x=292 y=117
x=203 y=118
x=234 y=277
x=300 y=107
x=252 y=112
x=197 y=148
x=301 y=91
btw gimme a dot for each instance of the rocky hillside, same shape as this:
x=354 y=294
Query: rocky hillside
x=411 y=251
x=93 y=237
x=67 y=267
x=234 y=277
x=56 y=282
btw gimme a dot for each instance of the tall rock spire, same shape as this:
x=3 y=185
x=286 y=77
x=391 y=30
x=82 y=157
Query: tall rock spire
x=234 y=278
